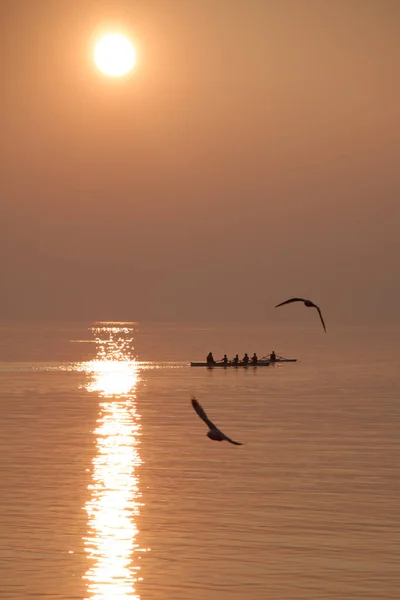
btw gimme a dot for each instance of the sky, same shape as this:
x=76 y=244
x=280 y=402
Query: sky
x=252 y=155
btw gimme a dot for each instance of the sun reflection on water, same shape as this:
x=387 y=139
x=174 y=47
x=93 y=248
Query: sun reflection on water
x=115 y=495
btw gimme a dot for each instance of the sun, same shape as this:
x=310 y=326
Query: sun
x=114 y=55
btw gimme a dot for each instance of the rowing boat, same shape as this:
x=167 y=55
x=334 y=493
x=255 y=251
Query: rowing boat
x=263 y=362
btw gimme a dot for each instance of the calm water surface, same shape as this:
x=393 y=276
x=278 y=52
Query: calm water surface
x=111 y=489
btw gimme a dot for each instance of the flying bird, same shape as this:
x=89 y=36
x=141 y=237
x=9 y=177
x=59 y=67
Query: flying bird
x=307 y=303
x=214 y=433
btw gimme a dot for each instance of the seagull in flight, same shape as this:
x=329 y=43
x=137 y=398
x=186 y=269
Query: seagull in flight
x=307 y=303
x=214 y=433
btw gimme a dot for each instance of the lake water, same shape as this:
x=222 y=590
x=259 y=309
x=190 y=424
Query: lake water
x=110 y=488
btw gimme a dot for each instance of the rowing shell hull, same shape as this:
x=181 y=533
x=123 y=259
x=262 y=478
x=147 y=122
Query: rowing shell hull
x=279 y=360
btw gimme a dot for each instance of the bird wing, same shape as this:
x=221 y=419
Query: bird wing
x=289 y=301
x=320 y=316
x=200 y=411
x=228 y=439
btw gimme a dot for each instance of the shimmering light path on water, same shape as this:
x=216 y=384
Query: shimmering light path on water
x=115 y=492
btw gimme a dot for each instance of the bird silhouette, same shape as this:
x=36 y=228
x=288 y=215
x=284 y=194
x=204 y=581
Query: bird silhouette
x=307 y=303
x=214 y=433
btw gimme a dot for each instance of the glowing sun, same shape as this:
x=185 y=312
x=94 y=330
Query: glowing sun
x=114 y=55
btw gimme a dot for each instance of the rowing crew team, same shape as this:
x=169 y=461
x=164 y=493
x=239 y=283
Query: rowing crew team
x=235 y=361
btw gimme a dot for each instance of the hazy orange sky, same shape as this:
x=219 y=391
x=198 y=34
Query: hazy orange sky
x=252 y=155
